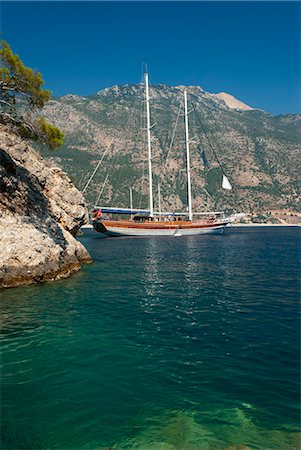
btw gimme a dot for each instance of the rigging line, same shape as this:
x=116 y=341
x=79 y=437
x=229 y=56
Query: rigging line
x=129 y=125
x=219 y=198
x=235 y=193
x=141 y=184
x=96 y=168
x=174 y=131
x=162 y=177
x=135 y=121
x=209 y=142
x=139 y=136
x=120 y=171
x=100 y=194
x=209 y=199
x=132 y=122
x=110 y=166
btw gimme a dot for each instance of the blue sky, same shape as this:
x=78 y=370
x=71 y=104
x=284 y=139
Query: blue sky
x=249 y=49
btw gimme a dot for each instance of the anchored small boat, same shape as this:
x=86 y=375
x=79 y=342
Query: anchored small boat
x=147 y=222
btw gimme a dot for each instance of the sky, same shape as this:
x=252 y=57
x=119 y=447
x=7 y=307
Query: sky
x=248 y=49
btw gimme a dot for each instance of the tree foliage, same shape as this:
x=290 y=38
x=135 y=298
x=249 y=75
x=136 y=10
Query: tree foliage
x=21 y=98
x=54 y=135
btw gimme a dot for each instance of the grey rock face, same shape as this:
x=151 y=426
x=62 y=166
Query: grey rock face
x=40 y=212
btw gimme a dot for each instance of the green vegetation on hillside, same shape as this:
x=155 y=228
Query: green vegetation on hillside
x=260 y=153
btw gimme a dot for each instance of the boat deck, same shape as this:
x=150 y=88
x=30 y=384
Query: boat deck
x=154 y=225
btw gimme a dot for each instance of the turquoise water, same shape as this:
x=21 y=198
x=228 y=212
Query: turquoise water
x=162 y=343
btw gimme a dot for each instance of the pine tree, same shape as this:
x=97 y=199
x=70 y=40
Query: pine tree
x=21 y=99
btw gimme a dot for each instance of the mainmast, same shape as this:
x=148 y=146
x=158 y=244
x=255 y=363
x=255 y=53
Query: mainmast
x=151 y=203
x=187 y=156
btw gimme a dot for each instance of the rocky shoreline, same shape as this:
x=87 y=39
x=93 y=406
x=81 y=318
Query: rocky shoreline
x=40 y=214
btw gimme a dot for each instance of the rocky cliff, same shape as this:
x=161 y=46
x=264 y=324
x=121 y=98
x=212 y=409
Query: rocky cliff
x=40 y=213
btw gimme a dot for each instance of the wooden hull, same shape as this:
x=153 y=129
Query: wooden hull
x=130 y=228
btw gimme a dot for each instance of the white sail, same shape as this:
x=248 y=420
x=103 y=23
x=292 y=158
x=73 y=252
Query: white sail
x=226 y=183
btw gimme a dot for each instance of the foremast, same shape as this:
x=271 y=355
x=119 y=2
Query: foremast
x=187 y=156
x=150 y=176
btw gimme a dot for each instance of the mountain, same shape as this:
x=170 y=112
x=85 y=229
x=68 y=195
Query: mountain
x=259 y=152
x=232 y=102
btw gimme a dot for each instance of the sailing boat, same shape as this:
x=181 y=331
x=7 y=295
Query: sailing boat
x=156 y=223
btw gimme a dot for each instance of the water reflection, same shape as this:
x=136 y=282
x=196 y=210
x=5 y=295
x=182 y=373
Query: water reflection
x=153 y=266
x=192 y=271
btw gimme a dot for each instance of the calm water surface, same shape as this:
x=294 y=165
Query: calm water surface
x=162 y=343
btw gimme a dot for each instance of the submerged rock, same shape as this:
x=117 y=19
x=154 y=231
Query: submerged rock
x=221 y=429
x=40 y=213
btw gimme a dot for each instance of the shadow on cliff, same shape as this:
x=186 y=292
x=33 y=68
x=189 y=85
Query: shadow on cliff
x=22 y=194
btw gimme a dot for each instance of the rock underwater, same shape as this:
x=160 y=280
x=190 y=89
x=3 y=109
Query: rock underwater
x=40 y=212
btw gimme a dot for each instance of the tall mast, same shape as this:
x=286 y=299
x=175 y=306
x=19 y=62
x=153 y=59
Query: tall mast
x=151 y=203
x=131 y=198
x=187 y=156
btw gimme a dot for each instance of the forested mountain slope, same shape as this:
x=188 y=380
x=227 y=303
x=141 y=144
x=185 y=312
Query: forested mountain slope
x=259 y=152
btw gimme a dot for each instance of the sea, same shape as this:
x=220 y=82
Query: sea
x=163 y=343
